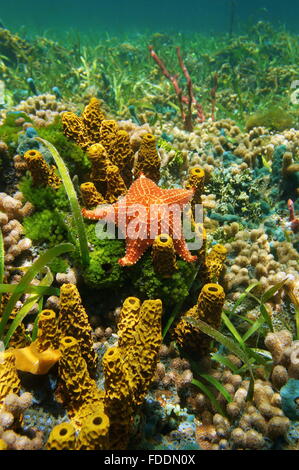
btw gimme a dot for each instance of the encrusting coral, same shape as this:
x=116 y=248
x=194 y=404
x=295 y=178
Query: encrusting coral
x=249 y=425
x=43 y=109
x=12 y=211
x=12 y=431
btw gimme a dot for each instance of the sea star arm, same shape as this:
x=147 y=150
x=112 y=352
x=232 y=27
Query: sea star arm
x=182 y=250
x=103 y=211
x=134 y=251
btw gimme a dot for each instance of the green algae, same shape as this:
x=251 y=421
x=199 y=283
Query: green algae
x=274 y=118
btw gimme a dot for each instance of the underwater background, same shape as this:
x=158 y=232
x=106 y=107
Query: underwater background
x=111 y=343
x=135 y=16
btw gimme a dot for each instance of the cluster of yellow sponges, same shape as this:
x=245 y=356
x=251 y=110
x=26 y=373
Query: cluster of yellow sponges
x=129 y=367
x=110 y=151
x=92 y=436
x=104 y=418
x=72 y=320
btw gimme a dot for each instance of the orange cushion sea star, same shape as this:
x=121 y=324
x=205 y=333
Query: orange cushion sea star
x=149 y=209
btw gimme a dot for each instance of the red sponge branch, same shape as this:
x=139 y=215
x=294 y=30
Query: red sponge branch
x=183 y=100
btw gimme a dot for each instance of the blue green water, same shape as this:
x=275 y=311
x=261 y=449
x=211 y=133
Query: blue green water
x=135 y=15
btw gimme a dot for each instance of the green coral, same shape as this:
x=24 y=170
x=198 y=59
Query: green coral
x=273 y=118
x=59 y=265
x=103 y=272
x=71 y=153
x=44 y=197
x=170 y=290
x=45 y=226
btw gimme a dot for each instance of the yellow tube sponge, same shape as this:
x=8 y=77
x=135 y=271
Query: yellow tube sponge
x=201 y=234
x=62 y=437
x=9 y=380
x=141 y=359
x=148 y=161
x=210 y=303
x=208 y=309
x=74 y=129
x=108 y=135
x=127 y=321
x=117 y=402
x=3 y=445
x=47 y=335
x=92 y=118
x=196 y=181
x=215 y=262
x=130 y=366
x=43 y=353
x=77 y=390
x=115 y=184
x=98 y=157
x=41 y=172
x=73 y=321
x=91 y=197
x=122 y=155
x=163 y=254
x=94 y=434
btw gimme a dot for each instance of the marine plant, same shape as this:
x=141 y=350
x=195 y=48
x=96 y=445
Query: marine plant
x=232 y=341
x=72 y=196
x=24 y=286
